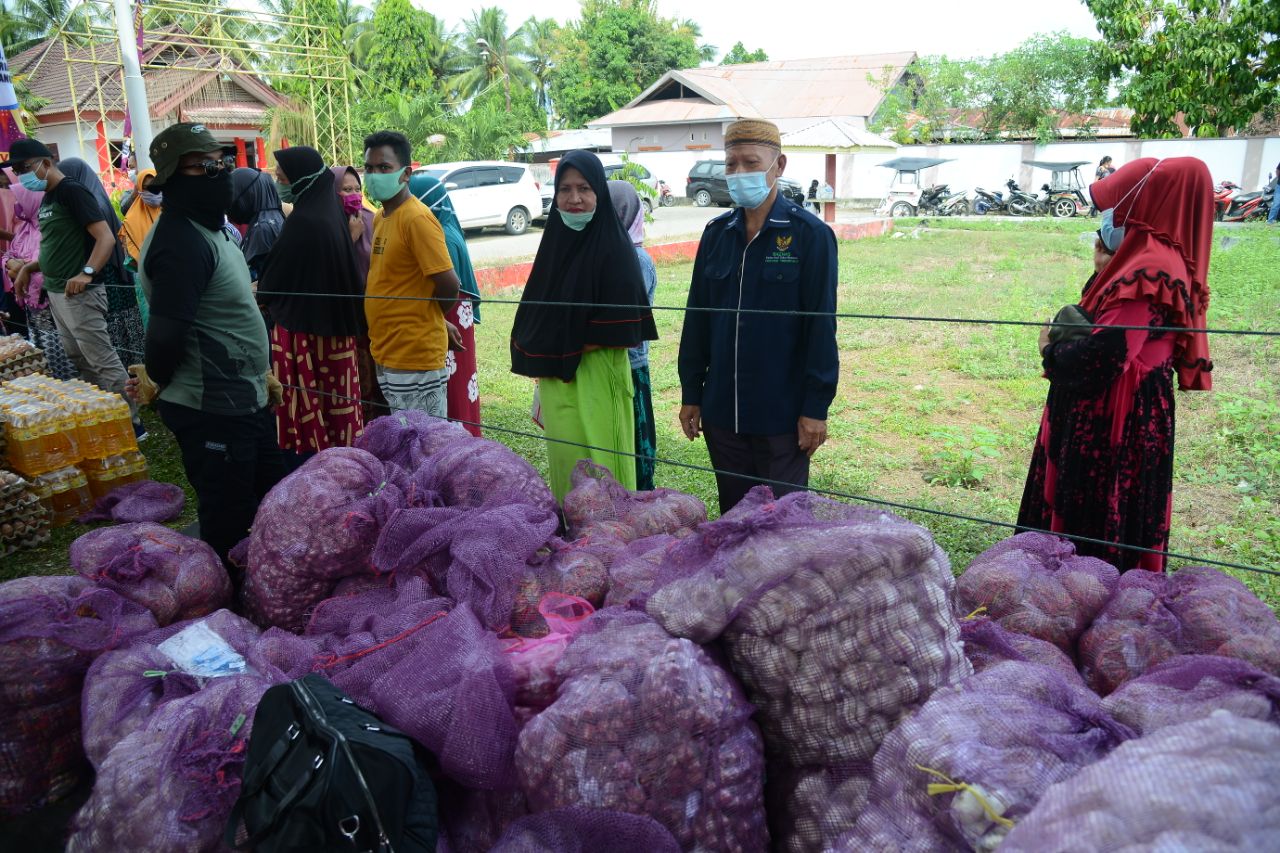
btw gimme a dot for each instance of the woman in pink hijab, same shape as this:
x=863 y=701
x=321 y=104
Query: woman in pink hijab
x=23 y=247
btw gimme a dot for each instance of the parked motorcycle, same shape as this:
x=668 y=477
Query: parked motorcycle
x=666 y=198
x=986 y=201
x=1223 y=193
x=954 y=204
x=1247 y=207
x=1023 y=203
x=931 y=200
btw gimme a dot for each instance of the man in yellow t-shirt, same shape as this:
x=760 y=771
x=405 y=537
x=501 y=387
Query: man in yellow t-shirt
x=409 y=337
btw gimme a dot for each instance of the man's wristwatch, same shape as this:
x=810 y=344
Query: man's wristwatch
x=89 y=271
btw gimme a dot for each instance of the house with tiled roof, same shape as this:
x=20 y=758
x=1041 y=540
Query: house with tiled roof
x=81 y=107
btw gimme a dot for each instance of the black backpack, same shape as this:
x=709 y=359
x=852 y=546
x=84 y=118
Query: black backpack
x=323 y=774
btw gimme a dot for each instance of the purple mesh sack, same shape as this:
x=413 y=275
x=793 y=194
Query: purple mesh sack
x=409 y=437
x=635 y=570
x=125 y=686
x=146 y=500
x=579 y=569
x=174 y=576
x=1035 y=584
x=838 y=620
x=476 y=556
x=316 y=526
x=647 y=724
x=1191 y=687
x=1206 y=785
x=41 y=760
x=429 y=669
x=1196 y=611
x=987 y=643
x=597 y=498
x=583 y=830
x=472 y=821
x=480 y=471
x=278 y=650
x=51 y=629
x=994 y=744
x=170 y=786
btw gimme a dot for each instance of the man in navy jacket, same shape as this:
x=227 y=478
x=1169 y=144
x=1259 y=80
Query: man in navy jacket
x=758 y=385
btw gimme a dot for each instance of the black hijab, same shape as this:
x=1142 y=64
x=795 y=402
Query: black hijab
x=597 y=266
x=313 y=255
x=255 y=203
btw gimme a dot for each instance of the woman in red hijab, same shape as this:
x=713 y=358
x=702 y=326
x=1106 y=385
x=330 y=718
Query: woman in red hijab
x=1103 y=461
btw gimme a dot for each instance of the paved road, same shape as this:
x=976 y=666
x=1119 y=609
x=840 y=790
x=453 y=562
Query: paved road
x=669 y=224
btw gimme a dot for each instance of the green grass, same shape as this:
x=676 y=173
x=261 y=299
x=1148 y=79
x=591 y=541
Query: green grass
x=943 y=415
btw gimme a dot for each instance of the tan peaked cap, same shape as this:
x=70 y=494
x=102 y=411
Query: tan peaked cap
x=753 y=131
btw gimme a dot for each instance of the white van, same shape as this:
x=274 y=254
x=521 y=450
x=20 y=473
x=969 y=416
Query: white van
x=490 y=192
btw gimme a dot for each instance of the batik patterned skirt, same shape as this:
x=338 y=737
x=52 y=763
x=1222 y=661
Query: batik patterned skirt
x=327 y=413
x=463 y=389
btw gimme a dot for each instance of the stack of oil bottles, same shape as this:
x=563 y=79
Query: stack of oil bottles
x=70 y=441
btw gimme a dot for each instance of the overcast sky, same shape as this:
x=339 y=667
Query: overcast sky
x=798 y=29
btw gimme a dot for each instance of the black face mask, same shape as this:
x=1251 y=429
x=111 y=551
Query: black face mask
x=204 y=200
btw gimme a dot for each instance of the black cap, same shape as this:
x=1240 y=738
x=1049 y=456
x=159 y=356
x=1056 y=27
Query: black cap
x=29 y=149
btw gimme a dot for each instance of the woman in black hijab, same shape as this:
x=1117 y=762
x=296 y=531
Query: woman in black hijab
x=255 y=205
x=578 y=352
x=313 y=341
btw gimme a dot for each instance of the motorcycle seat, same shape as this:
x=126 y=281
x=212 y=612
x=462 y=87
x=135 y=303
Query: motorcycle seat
x=1247 y=196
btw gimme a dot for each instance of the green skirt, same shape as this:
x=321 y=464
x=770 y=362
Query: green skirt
x=594 y=409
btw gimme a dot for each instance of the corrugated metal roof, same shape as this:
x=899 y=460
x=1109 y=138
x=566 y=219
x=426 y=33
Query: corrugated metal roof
x=835 y=135
x=799 y=88
x=673 y=111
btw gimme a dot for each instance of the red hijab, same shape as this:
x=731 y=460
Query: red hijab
x=1164 y=257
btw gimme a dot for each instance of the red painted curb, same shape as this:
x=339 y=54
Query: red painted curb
x=495 y=279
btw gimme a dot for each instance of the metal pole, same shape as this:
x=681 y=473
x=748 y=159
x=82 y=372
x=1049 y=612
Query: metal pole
x=135 y=91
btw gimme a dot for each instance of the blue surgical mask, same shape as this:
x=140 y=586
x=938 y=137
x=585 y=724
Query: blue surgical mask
x=750 y=189
x=33 y=183
x=1108 y=232
x=576 y=221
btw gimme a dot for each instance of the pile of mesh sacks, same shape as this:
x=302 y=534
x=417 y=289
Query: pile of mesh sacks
x=800 y=674
x=51 y=630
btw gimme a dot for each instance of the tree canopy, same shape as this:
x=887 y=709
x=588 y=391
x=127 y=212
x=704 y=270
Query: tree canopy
x=1213 y=63
x=616 y=50
x=739 y=55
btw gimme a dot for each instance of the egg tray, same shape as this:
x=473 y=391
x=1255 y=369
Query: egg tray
x=24 y=522
x=11 y=484
x=24 y=365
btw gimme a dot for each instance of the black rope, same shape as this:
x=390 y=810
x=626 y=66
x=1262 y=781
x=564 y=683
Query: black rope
x=839 y=315
x=1172 y=555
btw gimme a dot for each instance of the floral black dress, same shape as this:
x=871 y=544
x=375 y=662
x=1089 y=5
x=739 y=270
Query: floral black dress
x=1103 y=461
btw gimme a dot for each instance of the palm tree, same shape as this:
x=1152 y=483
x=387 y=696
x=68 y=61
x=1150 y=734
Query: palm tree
x=446 y=59
x=491 y=50
x=706 y=52
x=33 y=21
x=541 y=37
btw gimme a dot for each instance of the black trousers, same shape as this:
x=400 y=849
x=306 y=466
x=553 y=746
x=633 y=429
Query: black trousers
x=770 y=457
x=232 y=461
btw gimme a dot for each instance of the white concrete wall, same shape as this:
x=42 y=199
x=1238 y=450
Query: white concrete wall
x=1245 y=161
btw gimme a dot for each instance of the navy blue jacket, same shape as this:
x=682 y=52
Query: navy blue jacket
x=756 y=374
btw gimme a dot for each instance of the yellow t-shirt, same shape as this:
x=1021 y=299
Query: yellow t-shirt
x=408 y=248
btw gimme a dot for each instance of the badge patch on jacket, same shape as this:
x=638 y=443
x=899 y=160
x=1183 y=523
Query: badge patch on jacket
x=782 y=251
